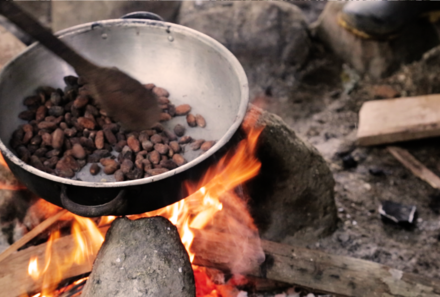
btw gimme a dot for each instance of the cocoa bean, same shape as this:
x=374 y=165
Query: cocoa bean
x=80 y=101
x=51 y=119
x=146 y=164
x=156 y=138
x=27 y=115
x=92 y=158
x=56 y=111
x=120 y=137
x=154 y=157
x=74 y=140
x=87 y=143
x=75 y=112
x=163 y=157
x=160 y=92
x=42 y=151
x=126 y=166
x=89 y=116
x=109 y=136
x=51 y=163
x=164 y=117
x=161 y=148
x=92 y=110
x=110 y=169
x=55 y=98
x=200 y=121
x=32 y=148
x=143 y=153
x=63 y=126
x=135 y=173
x=48 y=104
x=36 y=140
x=207 y=145
x=179 y=130
x=179 y=160
x=119 y=176
x=27 y=136
x=156 y=171
x=174 y=145
x=163 y=100
x=133 y=143
x=53 y=153
x=118 y=147
x=107 y=120
x=113 y=127
x=99 y=139
x=81 y=163
x=183 y=109
x=47 y=125
x=32 y=101
x=67 y=144
x=65 y=172
x=78 y=151
x=70 y=162
x=58 y=139
x=18 y=134
x=170 y=153
x=197 y=144
x=149 y=86
x=139 y=163
x=185 y=139
x=70 y=132
x=168 y=164
x=68 y=118
x=27 y=128
x=158 y=127
x=126 y=153
x=191 y=120
x=86 y=123
x=107 y=162
x=171 y=110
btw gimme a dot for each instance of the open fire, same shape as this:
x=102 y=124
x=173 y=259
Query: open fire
x=213 y=205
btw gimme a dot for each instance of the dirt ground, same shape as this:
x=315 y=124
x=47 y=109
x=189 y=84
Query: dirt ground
x=323 y=109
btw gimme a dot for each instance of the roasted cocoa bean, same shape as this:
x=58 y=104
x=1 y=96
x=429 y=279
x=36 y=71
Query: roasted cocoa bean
x=27 y=115
x=179 y=130
x=179 y=160
x=70 y=132
x=32 y=101
x=78 y=151
x=80 y=101
x=27 y=136
x=207 y=145
x=47 y=125
x=197 y=144
x=138 y=163
x=89 y=116
x=110 y=169
x=172 y=110
x=55 y=98
x=126 y=153
x=56 y=111
x=135 y=173
x=53 y=153
x=191 y=120
x=119 y=176
x=146 y=164
x=156 y=138
x=92 y=110
x=154 y=157
x=51 y=163
x=58 y=139
x=160 y=92
x=183 y=109
x=86 y=123
x=149 y=86
x=41 y=152
x=63 y=126
x=161 y=148
x=36 y=140
x=27 y=128
x=174 y=145
x=200 y=121
x=118 y=147
x=133 y=143
x=168 y=164
x=67 y=144
x=75 y=112
x=156 y=171
x=126 y=166
x=113 y=127
x=32 y=148
x=185 y=139
x=99 y=139
x=107 y=162
x=109 y=136
x=164 y=117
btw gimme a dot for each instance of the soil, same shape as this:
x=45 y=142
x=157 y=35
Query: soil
x=323 y=109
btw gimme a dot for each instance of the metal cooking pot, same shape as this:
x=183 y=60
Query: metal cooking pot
x=195 y=69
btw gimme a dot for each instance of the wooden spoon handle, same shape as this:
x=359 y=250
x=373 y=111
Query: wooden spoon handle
x=29 y=25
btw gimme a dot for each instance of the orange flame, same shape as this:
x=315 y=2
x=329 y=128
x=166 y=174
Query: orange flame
x=213 y=205
x=2 y=161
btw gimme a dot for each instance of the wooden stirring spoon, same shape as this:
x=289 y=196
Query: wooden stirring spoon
x=124 y=99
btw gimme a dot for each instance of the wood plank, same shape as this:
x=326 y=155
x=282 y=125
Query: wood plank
x=400 y=119
x=417 y=168
x=31 y=234
x=303 y=267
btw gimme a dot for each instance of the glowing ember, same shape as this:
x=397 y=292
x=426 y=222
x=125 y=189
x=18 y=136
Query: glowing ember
x=213 y=205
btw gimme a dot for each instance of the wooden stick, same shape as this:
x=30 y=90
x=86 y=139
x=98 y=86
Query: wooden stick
x=31 y=234
x=312 y=269
x=417 y=168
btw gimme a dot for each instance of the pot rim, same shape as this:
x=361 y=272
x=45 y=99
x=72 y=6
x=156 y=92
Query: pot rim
x=169 y=27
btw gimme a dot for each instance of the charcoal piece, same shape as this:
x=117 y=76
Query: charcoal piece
x=144 y=255
x=376 y=171
x=393 y=212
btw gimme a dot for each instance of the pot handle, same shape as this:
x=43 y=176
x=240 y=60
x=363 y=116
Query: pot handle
x=142 y=15
x=115 y=206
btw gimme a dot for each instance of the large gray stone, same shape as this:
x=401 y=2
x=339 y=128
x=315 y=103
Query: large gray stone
x=144 y=257
x=270 y=39
x=292 y=198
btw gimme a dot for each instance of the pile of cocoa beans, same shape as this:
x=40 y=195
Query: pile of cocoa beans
x=66 y=130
